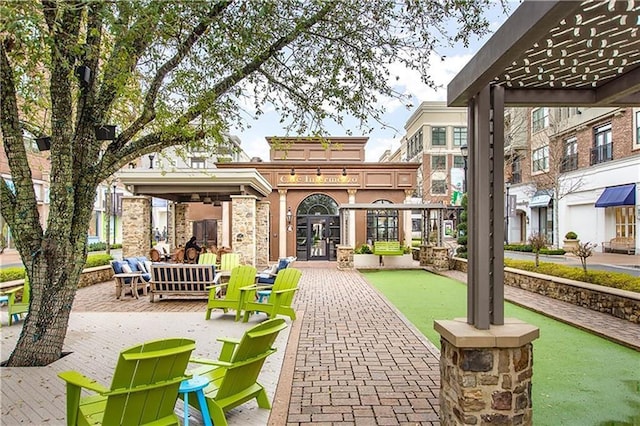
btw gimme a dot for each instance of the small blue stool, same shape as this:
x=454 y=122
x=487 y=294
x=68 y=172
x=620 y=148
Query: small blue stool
x=263 y=295
x=195 y=384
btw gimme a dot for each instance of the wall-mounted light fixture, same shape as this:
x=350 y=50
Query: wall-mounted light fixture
x=289 y=219
x=44 y=143
x=195 y=197
x=344 y=171
x=293 y=172
x=318 y=172
x=207 y=200
x=132 y=165
x=151 y=157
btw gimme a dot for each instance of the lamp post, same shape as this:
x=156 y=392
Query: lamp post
x=507 y=185
x=464 y=150
x=114 y=198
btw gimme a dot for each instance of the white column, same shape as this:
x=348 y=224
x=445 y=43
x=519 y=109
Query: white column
x=352 y=218
x=282 y=224
x=407 y=220
x=226 y=224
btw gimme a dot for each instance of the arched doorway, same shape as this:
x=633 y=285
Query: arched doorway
x=317 y=228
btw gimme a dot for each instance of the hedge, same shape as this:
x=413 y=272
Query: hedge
x=608 y=279
x=17 y=272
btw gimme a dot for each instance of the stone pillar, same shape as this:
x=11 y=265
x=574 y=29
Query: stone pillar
x=183 y=233
x=136 y=226
x=486 y=375
x=426 y=255
x=243 y=227
x=345 y=258
x=408 y=227
x=440 y=258
x=282 y=224
x=352 y=218
x=262 y=231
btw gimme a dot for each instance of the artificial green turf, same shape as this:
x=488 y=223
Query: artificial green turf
x=579 y=378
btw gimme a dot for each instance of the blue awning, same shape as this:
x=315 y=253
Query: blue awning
x=623 y=195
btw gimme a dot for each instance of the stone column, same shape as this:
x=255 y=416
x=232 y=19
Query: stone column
x=345 y=258
x=426 y=255
x=408 y=226
x=440 y=258
x=243 y=227
x=136 y=226
x=180 y=220
x=262 y=230
x=352 y=218
x=282 y=224
x=486 y=375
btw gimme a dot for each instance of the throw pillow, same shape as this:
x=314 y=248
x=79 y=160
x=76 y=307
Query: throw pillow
x=147 y=266
x=126 y=268
x=142 y=267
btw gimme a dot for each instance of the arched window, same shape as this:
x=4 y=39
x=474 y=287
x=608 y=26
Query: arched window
x=382 y=225
x=318 y=204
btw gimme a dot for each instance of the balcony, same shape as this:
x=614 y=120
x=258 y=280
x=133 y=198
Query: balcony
x=569 y=163
x=602 y=153
x=516 y=177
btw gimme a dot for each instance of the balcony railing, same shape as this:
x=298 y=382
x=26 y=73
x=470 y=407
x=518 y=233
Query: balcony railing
x=602 y=153
x=516 y=177
x=569 y=162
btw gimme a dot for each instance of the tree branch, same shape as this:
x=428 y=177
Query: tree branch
x=184 y=49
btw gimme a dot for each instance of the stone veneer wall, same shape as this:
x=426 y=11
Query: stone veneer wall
x=136 y=231
x=243 y=227
x=345 y=258
x=426 y=255
x=440 y=258
x=182 y=232
x=619 y=303
x=485 y=386
x=262 y=234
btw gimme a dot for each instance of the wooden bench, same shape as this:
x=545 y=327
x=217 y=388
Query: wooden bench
x=387 y=248
x=620 y=244
x=181 y=280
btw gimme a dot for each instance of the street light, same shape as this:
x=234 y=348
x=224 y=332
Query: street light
x=464 y=150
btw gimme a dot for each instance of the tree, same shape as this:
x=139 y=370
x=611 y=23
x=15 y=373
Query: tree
x=172 y=74
x=538 y=242
x=584 y=251
x=463 y=237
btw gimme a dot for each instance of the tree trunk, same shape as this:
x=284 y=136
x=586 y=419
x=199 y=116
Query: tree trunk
x=54 y=280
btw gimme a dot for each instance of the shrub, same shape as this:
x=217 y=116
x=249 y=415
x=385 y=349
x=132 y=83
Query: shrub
x=363 y=249
x=519 y=247
x=407 y=250
x=17 y=272
x=571 y=236
x=98 y=246
x=603 y=278
x=552 y=251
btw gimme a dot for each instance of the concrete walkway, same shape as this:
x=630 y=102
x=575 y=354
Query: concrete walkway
x=350 y=358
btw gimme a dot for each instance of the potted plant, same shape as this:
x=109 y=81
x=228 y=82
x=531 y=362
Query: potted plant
x=571 y=241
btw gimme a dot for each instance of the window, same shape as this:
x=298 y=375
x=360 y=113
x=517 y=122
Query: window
x=570 y=155
x=458 y=162
x=459 y=136
x=625 y=221
x=637 y=127
x=541 y=159
x=197 y=163
x=438 y=162
x=539 y=119
x=516 y=170
x=439 y=136
x=438 y=187
x=382 y=225
x=603 y=145
x=414 y=146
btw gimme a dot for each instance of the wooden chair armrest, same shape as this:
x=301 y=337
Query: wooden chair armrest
x=257 y=287
x=284 y=291
x=210 y=362
x=209 y=287
x=13 y=290
x=228 y=347
x=76 y=379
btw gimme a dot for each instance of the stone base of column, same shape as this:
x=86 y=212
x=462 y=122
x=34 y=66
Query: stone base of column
x=441 y=258
x=345 y=258
x=426 y=255
x=486 y=375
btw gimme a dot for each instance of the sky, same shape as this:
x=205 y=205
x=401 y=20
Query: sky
x=380 y=139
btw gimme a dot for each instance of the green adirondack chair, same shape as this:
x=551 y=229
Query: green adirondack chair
x=144 y=389
x=234 y=375
x=280 y=299
x=228 y=261
x=207 y=259
x=16 y=309
x=241 y=276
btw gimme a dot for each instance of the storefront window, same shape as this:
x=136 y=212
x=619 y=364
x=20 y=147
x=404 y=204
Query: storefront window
x=382 y=225
x=625 y=222
x=318 y=204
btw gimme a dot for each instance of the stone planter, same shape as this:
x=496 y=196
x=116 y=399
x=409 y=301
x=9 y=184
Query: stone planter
x=366 y=261
x=570 y=245
x=404 y=261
